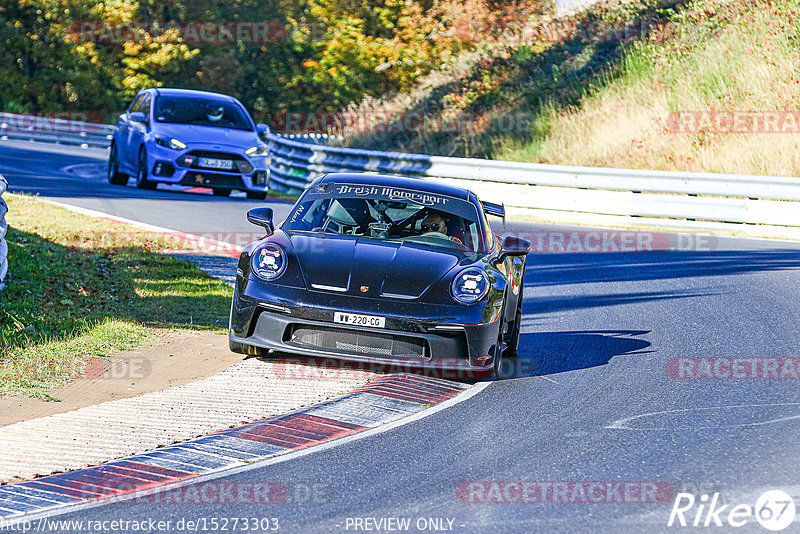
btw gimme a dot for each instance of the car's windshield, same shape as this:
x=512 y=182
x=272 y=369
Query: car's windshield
x=388 y=213
x=201 y=111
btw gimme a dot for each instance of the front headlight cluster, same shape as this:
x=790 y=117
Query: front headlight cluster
x=269 y=261
x=470 y=285
x=174 y=144
x=257 y=151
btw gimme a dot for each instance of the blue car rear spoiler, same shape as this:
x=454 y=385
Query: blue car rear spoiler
x=498 y=210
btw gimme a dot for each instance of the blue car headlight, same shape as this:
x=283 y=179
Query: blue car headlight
x=174 y=144
x=470 y=285
x=257 y=152
x=269 y=261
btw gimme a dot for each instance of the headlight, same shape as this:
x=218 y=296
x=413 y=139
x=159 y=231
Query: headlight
x=269 y=261
x=174 y=144
x=470 y=285
x=257 y=151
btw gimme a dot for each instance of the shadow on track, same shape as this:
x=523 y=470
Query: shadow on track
x=576 y=302
x=545 y=353
x=562 y=269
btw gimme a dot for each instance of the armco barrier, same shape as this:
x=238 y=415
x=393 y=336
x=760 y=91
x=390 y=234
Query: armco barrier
x=751 y=205
x=3 y=229
x=763 y=206
x=53 y=130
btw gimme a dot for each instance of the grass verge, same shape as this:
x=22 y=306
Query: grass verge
x=81 y=287
x=603 y=88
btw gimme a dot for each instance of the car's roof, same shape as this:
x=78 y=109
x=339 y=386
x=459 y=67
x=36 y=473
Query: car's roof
x=192 y=92
x=397 y=181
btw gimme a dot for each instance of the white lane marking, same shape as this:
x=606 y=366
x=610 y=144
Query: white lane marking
x=214 y=244
x=258 y=464
x=622 y=424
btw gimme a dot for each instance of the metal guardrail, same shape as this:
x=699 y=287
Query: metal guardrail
x=52 y=130
x=3 y=229
x=766 y=206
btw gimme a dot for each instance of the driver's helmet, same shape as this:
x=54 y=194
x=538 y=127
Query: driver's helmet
x=215 y=113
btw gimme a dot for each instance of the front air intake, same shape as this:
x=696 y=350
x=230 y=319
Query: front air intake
x=357 y=342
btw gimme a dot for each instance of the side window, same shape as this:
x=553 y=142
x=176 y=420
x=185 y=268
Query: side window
x=144 y=106
x=489 y=234
x=135 y=105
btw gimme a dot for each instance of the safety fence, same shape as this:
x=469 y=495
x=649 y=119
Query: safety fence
x=54 y=130
x=752 y=205
x=3 y=229
x=767 y=206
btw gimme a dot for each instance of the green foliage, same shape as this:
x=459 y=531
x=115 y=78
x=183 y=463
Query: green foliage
x=319 y=55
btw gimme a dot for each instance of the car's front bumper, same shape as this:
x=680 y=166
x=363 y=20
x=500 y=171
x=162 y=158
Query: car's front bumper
x=166 y=165
x=299 y=321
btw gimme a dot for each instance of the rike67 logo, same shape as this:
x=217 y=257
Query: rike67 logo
x=774 y=510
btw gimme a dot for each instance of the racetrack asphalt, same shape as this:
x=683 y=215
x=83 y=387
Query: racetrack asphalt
x=595 y=398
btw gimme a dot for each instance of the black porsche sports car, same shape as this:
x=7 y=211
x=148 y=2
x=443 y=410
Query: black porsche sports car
x=374 y=268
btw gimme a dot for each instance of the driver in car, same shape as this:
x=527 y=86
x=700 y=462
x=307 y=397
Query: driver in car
x=216 y=114
x=434 y=222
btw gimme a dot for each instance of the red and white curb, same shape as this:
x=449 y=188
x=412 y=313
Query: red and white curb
x=382 y=402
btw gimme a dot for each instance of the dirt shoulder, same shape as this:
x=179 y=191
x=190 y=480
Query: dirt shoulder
x=175 y=359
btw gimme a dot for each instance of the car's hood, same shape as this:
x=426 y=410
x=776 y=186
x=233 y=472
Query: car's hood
x=370 y=268
x=207 y=135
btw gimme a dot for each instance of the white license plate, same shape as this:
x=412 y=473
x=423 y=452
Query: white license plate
x=213 y=163
x=355 y=319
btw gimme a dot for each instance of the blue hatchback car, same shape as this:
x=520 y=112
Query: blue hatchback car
x=192 y=138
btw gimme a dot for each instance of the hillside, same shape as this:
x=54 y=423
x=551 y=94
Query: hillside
x=709 y=85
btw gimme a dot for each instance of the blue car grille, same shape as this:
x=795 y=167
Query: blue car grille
x=357 y=342
x=240 y=164
x=196 y=178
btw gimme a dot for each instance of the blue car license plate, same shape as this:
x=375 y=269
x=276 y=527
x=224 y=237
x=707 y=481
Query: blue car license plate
x=213 y=163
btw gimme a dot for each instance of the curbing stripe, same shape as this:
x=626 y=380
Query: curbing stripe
x=14 y=497
x=152 y=469
x=61 y=490
x=259 y=450
x=384 y=401
x=17 y=506
x=37 y=494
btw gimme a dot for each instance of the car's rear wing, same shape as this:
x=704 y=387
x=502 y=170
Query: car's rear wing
x=498 y=210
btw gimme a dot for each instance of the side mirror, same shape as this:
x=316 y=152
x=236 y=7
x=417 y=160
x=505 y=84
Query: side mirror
x=261 y=217
x=514 y=246
x=138 y=116
x=262 y=128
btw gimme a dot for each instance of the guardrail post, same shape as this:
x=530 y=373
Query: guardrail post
x=3 y=228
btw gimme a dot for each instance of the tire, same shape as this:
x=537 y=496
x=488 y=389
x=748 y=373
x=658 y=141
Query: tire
x=513 y=340
x=114 y=176
x=141 y=173
x=497 y=358
x=256 y=195
x=221 y=192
